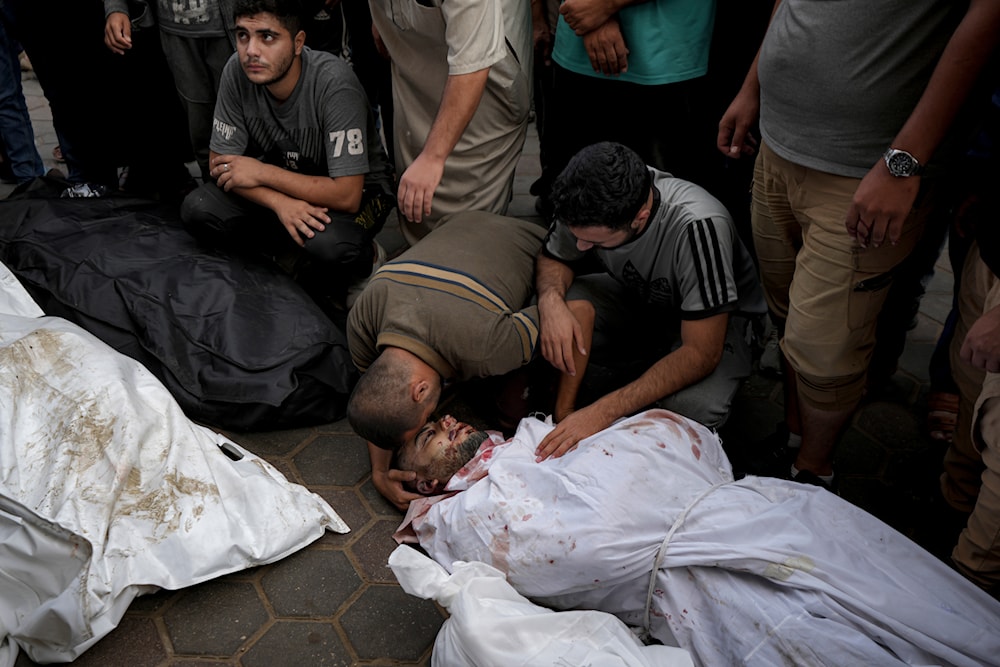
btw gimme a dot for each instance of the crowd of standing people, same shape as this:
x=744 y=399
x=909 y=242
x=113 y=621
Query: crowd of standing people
x=702 y=164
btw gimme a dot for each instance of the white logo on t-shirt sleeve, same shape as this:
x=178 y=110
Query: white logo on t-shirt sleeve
x=355 y=142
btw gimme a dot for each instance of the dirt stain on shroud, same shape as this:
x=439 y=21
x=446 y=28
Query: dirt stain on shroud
x=84 y=425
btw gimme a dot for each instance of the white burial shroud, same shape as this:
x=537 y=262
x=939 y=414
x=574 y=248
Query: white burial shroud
x=107 y=490
x=758 y=571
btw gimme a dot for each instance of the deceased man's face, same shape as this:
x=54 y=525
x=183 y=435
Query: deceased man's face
x=439 y=450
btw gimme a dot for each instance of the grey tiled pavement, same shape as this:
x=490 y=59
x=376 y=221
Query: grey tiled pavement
x=337 y=603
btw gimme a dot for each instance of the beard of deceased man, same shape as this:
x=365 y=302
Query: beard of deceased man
x=438 y=451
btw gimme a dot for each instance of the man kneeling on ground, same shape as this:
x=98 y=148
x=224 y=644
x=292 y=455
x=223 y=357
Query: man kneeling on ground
x=300 y=171
x=673 y=289
x=454 y=307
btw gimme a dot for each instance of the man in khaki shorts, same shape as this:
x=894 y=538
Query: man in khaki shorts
x=971 y=479
x=843 y=182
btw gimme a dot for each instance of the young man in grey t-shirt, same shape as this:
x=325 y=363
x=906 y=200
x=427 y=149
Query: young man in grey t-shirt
x=673 y=291
x=295 y=156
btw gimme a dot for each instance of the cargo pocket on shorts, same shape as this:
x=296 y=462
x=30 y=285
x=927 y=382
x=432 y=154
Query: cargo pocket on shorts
x=867 y=297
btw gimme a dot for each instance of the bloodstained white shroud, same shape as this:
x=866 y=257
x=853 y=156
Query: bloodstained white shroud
x=108 y=491
x=758 y=571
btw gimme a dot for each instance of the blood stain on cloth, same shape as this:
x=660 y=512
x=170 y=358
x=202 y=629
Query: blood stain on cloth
x=696 y=451
x=500 y=550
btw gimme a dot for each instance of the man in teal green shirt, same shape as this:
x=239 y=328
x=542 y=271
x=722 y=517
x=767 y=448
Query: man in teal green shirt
x=628 y=72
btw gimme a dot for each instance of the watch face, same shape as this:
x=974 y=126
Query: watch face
x=900 y=164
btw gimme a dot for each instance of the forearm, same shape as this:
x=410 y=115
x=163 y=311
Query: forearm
x=262 y=196
x=960 y=64
x=459 y=102
x=681 y=368
x=586 y=16
x=268 y=185
x=552 y=279
x=338 y=194
x=538 y=17
x=751 y=83
x=569 y=384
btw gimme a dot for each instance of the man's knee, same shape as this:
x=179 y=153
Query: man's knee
x=711 y=400
x=701 y=406
x=830 y=393
x=194 y=208
x=343 y=244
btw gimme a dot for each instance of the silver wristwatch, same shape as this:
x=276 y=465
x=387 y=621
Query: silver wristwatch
x=901 y=164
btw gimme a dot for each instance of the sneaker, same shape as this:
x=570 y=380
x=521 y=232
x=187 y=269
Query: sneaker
x=84 y=191
x=355 y=290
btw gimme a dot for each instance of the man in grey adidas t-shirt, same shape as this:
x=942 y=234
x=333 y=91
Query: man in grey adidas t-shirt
x=673 y=292
x=295 y=156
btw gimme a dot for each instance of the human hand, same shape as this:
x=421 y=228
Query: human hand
x=300 y=218
x=606 y=48
x=981 y=346
x=880 y=206
x=584 y=16
x=542 y=39
x=568 y=433
x=417 y=186
x=236 y=171
x=118 y=33
x=559 y=331
x=735 y=138
x=389 y=483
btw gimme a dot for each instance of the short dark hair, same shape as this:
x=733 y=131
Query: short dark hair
x=289 y=12
x=380 y=409
x=604 y=185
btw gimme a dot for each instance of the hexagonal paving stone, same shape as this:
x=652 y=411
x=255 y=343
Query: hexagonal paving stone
x=215 y=618
x=298 y=643
x=859 y=455
x=890 y=423
x=135 y=642
x=334 y=460
x=385 y=622
x=936 y=305
x=285 y=468
x=379 y=504
x=915 y=359
x=272 y=443
x=347 y=503
x=341 y=426
x=372 y=550
x=153 y=601
x=312 y=583
x=395 y=663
